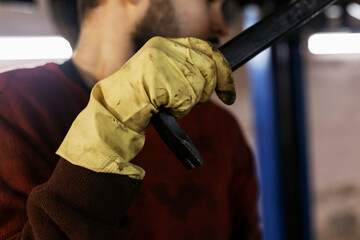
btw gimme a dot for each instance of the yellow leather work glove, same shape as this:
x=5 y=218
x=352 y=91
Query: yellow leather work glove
x=175 y=73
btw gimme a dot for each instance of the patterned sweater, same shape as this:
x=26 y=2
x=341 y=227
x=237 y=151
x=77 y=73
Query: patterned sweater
x=45 y=197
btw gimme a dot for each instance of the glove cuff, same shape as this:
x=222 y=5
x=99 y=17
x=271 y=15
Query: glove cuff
x=100 y=142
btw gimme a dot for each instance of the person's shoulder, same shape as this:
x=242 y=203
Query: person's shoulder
x=29 y=80
x=40 y=97
x=42 y=87
x=31 y=77
x=29 y=69
x=42 y=82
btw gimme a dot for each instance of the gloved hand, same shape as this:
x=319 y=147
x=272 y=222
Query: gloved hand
x=175 y=73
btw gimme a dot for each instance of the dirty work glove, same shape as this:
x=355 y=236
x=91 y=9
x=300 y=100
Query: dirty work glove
x=175 y=73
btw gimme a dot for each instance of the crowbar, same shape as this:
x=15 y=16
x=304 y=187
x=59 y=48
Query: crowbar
x=238 y=51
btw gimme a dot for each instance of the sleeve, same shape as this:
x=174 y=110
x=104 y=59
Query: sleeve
x=77 y=203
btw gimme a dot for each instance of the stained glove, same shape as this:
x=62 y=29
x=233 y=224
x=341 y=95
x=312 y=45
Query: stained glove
x=175 y=73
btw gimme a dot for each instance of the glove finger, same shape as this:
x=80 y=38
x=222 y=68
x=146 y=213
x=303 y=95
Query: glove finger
x=177 y=54
x=180 y=84
x=207 y=68
x=189 y=91
x=197 y=68
x=225 y=88
x=200 y=54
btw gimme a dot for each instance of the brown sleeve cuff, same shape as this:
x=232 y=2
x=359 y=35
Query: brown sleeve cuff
x=102 y=193
x=76 y=200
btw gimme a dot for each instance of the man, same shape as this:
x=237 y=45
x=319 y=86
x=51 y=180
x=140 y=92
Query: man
x=96 y=189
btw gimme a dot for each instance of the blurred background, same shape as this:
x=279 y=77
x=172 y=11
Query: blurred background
x=298 y=103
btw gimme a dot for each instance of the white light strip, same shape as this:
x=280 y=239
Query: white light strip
x=334 y=43
x=32 y=48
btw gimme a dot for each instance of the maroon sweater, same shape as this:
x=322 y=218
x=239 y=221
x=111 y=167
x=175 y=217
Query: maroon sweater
x=42 y=197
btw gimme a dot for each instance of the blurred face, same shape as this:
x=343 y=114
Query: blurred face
x=200 y=18
x=182 y=18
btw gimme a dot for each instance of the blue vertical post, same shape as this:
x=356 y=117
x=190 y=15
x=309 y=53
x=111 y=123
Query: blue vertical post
x=277 y=89
x=267 y=145
x=264 y=103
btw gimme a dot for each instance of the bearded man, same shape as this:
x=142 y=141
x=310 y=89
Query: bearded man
x=73 y=153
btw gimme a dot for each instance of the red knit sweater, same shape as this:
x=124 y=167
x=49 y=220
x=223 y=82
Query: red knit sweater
x=42 y=197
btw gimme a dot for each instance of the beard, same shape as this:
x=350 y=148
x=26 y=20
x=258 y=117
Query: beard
x=159 y=20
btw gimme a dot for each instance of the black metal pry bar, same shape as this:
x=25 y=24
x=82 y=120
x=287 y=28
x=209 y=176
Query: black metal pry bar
x=238 y=51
